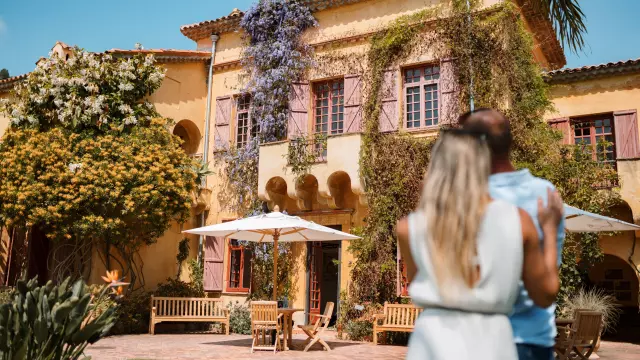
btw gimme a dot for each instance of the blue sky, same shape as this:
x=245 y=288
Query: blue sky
x=28 y=29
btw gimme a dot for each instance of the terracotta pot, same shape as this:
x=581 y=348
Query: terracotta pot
x=201 y=200
x=204 y=197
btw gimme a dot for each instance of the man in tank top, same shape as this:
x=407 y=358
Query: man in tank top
x=534 y=328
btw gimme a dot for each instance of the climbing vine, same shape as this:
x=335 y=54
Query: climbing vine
x=274 y=57
x=493 y=48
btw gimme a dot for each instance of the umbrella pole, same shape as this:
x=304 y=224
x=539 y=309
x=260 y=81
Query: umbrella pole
x=276 y=235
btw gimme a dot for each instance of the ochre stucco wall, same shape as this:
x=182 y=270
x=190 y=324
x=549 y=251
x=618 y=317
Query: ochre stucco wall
x=4 y=121
x=606 y=95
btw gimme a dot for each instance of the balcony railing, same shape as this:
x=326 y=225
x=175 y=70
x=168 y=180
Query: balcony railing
x=307 y=150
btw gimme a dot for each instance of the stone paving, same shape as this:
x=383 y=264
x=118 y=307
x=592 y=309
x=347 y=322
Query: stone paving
x=238 y=347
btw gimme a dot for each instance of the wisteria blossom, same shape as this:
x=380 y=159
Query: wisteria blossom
x=73 y=92
x=274 y=58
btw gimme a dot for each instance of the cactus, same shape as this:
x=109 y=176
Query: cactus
x=52 y=322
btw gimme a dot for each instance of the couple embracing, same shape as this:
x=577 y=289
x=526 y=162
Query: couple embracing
x=482 y=250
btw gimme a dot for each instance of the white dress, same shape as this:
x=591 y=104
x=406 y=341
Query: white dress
x=474 y=325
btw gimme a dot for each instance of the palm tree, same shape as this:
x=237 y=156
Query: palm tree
x=567 y=19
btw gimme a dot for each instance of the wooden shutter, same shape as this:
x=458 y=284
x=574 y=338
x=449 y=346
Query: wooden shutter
x=389 y=112
x=353 y=103
x=626 y=132
x=564 y=126
x=213 y=263
x=448 y=93
x=298 y=109
x=224 y=105
x=402 y=285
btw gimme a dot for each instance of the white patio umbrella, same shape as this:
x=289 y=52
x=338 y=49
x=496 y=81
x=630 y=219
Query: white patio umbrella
x=577 y=220
x=273 y=227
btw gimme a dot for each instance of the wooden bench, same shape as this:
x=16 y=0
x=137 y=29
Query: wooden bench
x=165 y=309
x=396 y=317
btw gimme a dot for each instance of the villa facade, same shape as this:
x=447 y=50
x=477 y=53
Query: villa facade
x=329 y=102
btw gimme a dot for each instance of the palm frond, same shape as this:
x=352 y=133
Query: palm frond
x=568 y=21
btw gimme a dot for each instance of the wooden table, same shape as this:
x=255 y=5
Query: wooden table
x=563 y=321
x=287 y=325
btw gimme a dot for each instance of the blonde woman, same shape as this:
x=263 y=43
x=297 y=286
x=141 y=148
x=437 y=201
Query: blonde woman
x=466 y=253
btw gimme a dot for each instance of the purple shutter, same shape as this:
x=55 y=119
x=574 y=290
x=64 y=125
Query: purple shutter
x=398 y=272
x=448 y=93
x=213 y=263
x=353 y=103
x=564 y=126
x=389 y=112
x=299 y=109
x=626 y=132
x=224 y=104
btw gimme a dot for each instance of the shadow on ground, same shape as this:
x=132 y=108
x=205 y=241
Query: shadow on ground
x=297 y=344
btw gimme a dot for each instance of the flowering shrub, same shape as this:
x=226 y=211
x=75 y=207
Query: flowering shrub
x=86 y=162
x=86 y=91
x=239 y=319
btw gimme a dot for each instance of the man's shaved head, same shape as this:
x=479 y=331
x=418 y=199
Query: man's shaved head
x=495 y=125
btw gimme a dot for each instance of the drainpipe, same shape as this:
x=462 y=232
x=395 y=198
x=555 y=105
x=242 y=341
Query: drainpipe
x=207 y=119
x=472 y=106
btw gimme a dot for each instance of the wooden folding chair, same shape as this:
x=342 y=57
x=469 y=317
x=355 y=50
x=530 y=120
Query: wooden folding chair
x=317 y=327
x=579 y=340
x=265 y=320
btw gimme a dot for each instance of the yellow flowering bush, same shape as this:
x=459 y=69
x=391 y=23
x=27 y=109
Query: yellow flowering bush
x=122 y=187
x=88 y=162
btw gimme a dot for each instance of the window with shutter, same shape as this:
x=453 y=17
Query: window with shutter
x=388 y=120
x=449 y=109
x=422 y=96
x=239 y=268
x=402 y=281
x=213 y=263
x=595 y=134
x=224 y=106
x=328 y=109
x=626 y=136
x=298 y=110
x=562 y=125
x=353 y=103
x=246 y=126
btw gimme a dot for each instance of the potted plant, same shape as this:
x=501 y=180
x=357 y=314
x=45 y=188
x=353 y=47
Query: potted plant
x=594 y=300
x=202 y=196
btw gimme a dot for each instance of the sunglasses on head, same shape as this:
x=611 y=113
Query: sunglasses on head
x=480 y=135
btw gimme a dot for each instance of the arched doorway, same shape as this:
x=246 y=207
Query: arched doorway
x=190 y=135
x=617 y=277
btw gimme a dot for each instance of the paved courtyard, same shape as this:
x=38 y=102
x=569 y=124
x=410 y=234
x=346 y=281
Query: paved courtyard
x=237 y=347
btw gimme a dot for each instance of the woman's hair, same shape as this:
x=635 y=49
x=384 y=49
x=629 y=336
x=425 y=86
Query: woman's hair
x=454 y=199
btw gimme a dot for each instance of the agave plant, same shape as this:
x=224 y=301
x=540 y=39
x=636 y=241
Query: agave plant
x=52 y=322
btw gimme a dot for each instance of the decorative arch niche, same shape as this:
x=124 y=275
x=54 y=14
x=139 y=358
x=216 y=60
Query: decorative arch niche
x=190 y=135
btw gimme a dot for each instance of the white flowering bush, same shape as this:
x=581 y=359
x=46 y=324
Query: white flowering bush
x=87 y=90
x=88 y=163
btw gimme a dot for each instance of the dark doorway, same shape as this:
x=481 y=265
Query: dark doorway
x=38 y=256
x=324 y=275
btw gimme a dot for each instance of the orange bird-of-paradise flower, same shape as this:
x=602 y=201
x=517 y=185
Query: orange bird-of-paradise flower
x=113 y=279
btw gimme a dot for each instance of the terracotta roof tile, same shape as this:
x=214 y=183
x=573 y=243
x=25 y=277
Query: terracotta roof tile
x=8 y=83
x=593 y=71
x=165 y=55
x=231 y=22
